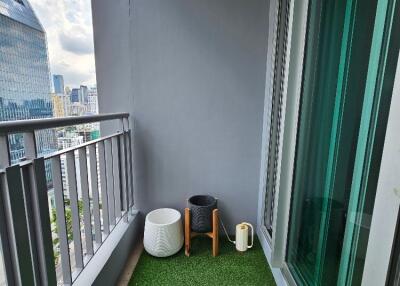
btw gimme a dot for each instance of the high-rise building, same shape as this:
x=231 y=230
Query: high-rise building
x=83 y=94
x=58 y=105
x=67 y=90
x=77 y=109
x=92 y=106
x=58 y=82
x=75 y=95
x=80 y=94
x=24 y=73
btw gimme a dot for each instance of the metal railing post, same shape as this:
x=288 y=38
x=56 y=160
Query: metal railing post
x=74 y=205
x=94 y=179
x=30 y=145
x=87 y=221
x=130 y=163
x=5 y=160
x=31 y=154
x=4 y=235
x=110 y=183
x=41 y=215
x=126 y=164
x=116 y=175
x=103 y=187
x=17 y=223
x=123 y=173
x=61 y=222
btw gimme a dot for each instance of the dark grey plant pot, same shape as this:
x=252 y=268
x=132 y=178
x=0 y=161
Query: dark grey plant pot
x=201 y=207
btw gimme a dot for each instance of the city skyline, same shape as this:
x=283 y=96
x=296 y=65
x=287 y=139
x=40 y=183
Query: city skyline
x=58 y=80
x=24 y=76
x=27 y=89
x=30 y=89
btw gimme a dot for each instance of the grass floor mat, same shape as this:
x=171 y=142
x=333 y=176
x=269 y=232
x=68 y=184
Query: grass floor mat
x=201 y=268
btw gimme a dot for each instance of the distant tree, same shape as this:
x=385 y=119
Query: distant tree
x=68 y=221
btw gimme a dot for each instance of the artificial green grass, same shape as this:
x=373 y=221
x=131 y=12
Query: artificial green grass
x=201 y=268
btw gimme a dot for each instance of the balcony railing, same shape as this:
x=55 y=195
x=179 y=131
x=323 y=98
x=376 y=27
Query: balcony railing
x=89 y=192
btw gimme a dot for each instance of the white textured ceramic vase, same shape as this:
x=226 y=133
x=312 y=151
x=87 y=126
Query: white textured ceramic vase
x=163 y=232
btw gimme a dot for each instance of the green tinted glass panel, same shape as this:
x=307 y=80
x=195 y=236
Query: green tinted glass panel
x=338 y=46
x=377 y=98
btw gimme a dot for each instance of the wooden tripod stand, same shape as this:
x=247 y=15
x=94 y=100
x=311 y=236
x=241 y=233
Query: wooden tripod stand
x=213 y=234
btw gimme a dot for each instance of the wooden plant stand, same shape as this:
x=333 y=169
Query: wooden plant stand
x=213 y=234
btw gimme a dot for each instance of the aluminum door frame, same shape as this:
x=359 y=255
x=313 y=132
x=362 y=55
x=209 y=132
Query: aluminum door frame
x=275 y=246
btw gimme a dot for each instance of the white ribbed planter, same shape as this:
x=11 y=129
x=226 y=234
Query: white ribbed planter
x=163 y=232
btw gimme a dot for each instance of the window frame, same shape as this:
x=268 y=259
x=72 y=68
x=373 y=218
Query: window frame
x=292 y=69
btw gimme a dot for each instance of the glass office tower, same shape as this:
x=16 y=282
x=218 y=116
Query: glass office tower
x=58 y=81
x=24 y=73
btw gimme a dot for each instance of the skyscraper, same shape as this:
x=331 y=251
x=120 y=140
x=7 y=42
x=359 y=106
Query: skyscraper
x=93 y=103
x=24 y=73
x=75 y=95
x=80 y=94
x=58 y=82
x=83 y=94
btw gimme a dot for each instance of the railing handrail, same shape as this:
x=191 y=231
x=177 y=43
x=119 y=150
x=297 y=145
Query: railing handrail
x=83 y=145
x=17 y=126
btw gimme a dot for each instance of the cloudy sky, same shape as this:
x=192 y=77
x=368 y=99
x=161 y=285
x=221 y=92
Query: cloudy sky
x=68 y=24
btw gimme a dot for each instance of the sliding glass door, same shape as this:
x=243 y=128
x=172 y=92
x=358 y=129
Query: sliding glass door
x=343 y=111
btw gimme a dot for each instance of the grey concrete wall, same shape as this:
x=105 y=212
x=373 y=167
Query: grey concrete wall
x=196 y=92
x=112 y=52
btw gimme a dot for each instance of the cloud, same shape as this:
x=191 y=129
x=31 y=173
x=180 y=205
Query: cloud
x=68 y=25
x=75 y=41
